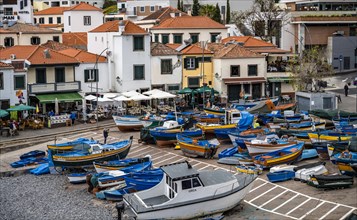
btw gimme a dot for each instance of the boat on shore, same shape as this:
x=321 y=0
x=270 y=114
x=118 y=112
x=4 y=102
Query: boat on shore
x=280 y=176
x=331 y=181
x=128 y=123
x=197 y=148
x=257 y=147
x=66 y=146
x=121 y=164
x=186 y=193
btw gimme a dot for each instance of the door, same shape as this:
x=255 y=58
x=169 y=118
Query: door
x=256 y=91
x=277 y=89
x=233 y=93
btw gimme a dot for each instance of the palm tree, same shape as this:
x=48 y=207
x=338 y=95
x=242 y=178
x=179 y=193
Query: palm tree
x=207 y=10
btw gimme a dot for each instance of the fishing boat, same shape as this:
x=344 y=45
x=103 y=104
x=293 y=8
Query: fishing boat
x=315 y=137
x=208 y=118
x=280 y=176
x=92 y=153
x=308 y=154
x=249 y=104
x=66 y=146
x=249 y=169
x=222 y=134
x=215 y=111
x=186 y=193
x=349 y=169
x=210 y=128
x=119 y=164
x=194 y=148
x=164 y=137
x=256 y=147
x=34 y=153
x=304 y=126
x=229 y=161
x=152 y=121
x=331 y=181
x=109 y=178
x=117 y=195
x=331 y=114
x=77 y=178
x=128 y=122
x=285 y=155
x=305 y=174
x=28 y=161
x=282 y=167
x=228 y=152
x=309 y=165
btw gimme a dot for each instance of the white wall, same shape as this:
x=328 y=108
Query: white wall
x=97 y=3
x=24 y=15
x=103 y=84
x=46 y=18
x=98 y=41
x=165 y=79
x=25 y=39
x=9 y=93
x=77 y=20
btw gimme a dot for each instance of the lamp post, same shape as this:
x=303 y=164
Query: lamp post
x=340 y=58
x=203 y=45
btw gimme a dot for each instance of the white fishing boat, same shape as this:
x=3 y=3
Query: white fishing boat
x=305 y=174
x=282 y=167
x=185 y=193
x=127 y=122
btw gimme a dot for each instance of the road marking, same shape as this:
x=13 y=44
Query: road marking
x=309 y=212
x=142 y=148
x=329 y=212
x=270 y=211
x=257 y=187
x=282 y=204
x=347 y=214
x=203 y=167
x=164 y=160
x=196 y=164
x=263 y=194
x=301 y=204
x=274 y=198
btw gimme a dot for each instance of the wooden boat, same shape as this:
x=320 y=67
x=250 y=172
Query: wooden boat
x=321 y=148
x=210 y=128
x=244 y=159
x=240 y=142
x=222 y=134
x=285 y=155
x=211 y=119
x=256 y=147
x=249 y=134
x=77 y=178
x=34 y=153
x=117 y=195
x=283 y=167
x=305 y=174
x=193 y=147
x=289 y=106
x=308 y=154
x=349 y=169
x=249 y=169
x=70 y=144
x=186 y=193
x=331 y=114
x=109 y=178
x=92 y=153
x=128 y=123
x=315 y=137
x=280 y=176
x=228 y=152
x=249 y=104
x=121 y=164
x=229 y=161
x=304 y=126
x=165 y=137
x=214 y=111
x=152 y=121
x=331 y=181
x=309 y=165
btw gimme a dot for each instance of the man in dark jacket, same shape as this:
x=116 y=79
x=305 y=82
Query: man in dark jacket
x=105 y=135
x=346 y=90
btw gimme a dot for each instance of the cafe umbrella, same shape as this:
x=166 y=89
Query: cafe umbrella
x=3 y=113
x=21 y=108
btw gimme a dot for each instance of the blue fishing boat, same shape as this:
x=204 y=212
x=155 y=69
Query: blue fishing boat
x=119 y=164
x=128 y=122
x=222 y=134
x=29 y=161
x=249 y=104
x=306 y=126
x=228 y=152
x=34 y=153
x=165 y=137
x=117 y=195
x=308 y=154
x=70 y=145
x=280 y=176
x=77 y=178
x=346 y=156
x=142 y=184
x=193 y=147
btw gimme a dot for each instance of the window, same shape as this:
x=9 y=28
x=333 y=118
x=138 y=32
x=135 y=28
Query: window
x=193 y=82
x=41 y=75
x=186 y=184
x=19 y=82
x=223 y=9
x=50 y=20
x=134 y=10
x=21 y=5
x=177 y=38
x=213 y=37
x=56 y=38
x=139 y=72
x=87 y=20
x=165 y=38
x=41 y=20
x=152 y=8
x=138 y=43
x=142 y=9
x=8 y=42
x=190 y=63
x=252 y=70
x=25 y=3
x=173 y=87
x=69 y=20
x=60 y=75
x=166 y=66
x=91 y=75
x=194 y=38
x=58 y=20
x=35 y=20
x=195 y=182
x=156 y=38
x=246 y=88
x=1 y=81
x=346 y=63
x=235 y=71
x=8 y=11
x=65 y=3
x=35 y=40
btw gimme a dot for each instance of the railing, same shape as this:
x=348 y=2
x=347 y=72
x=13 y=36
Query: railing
x=55 y=87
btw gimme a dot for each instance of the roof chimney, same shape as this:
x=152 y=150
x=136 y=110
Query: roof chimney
x=218 y=38
x=46 y=53
x=121 y=27
x=5 y=24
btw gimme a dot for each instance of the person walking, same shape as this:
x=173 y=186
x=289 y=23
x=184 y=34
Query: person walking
x=105 y=135
x=73 y=117
x=346 y=90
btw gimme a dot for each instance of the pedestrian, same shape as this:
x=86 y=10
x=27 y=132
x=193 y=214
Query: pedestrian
x=346 y=90
x=73 y=117
x=105 y=135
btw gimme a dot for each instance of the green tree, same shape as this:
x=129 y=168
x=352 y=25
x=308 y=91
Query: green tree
x=217 y=14
x=228 y=13
x=195 y=8
x=179 y=5
x=109 y=3
x=207 y=10
x=310 y=68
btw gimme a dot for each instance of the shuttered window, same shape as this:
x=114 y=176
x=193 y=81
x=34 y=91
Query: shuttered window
x=166 y=66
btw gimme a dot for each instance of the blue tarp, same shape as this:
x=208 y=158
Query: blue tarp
x=246 y=120
x=41 y=169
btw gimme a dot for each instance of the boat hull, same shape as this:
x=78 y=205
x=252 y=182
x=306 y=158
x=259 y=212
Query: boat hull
x=127 y=123
x=209 y=129
x=257 y=149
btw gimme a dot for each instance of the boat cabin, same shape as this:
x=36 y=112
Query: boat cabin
x=170 y=124
x=232 y=116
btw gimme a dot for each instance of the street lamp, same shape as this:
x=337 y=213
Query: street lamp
x=340 y=58
x=203 y=46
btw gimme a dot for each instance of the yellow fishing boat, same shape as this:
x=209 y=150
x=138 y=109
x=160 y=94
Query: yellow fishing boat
x=314 y=137
x=249 y=169
x=193 y=147
x=209 y=128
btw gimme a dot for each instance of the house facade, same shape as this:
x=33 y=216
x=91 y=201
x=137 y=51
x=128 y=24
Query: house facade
x=27 y=34
x=66 y=3
x=127 y=47
x=166 y=68
x=82 y=17
x=14 y=10
x=137 y=10
x=50 y=18
x=175 y=30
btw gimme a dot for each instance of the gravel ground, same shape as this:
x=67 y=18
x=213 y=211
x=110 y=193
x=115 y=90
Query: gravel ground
x=50 y=197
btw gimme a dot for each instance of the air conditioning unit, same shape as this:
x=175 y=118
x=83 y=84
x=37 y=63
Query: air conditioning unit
x=12 y=56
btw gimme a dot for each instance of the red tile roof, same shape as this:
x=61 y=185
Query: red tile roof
x=189 y=22
x=235 y=51
x=35 y=54
x=83 y=7
x=30 y=29
x=248 y=41
x=83 y=56
x=163 y=14
x=191 y=49
x=5 y=66
x=52 y=11
x=51 y=25
x=113 y=26
x=159 y=49
x=75 y=39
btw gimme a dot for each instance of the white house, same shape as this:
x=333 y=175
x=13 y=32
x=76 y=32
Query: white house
x=82 y=17
x=50 y=18
x=198 y=28
x=12 y=86
x=235 y=69
x=67 y=3
x=127 y=47
x=166 y=68
x=20 y=10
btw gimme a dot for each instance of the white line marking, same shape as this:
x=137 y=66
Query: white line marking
x=263 y=193
x=282 y=204
x=308 y=213
x=164 y=160
x=196 y=164
x=277 y=213
x=329 y=212
x=274 y=198
x=347 y=214
x=139 y=150
x=203 y=167
x=301 y=204
x=177 y=160
x=257 y=187
x=158 y=157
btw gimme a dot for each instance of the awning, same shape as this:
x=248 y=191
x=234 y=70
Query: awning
x=61 y=97
x=236 y=80
x=279 y=79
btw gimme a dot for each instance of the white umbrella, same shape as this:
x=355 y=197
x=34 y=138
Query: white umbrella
x=162 y=95
x=90 y=97
x=140 y=97
x=121 y=98
x=104 y=99
x=110 y=95
x=130 y=93
x=56 y=107
x=151 y=92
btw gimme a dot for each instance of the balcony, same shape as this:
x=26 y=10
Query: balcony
x=324 y=17
x=54 y=87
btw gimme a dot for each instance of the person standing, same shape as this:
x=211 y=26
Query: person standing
x=105 y=135
x=73 y=117
x=346 y=90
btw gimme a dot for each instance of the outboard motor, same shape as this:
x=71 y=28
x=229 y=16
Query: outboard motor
x=120 y=208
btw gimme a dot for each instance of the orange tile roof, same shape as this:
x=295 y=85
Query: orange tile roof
x=51 y=11
x=35 y=54
x=75 y=39
x=83 y=7
x=248 y=41
x=5 y=66
x=191 y=49
x=189 y=22
x=83 y=56
x=234 y=51
x=30 y=29
x=159 y=49
x=50 y=25
x=113 y=26
x=163 y=14
x=54 y=45
x=173 y=46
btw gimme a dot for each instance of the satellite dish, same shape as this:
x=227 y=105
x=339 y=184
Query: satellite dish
x=188 y=41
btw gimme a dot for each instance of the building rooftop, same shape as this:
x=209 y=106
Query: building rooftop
x=113 y=26
x=5 y=66
x=189 y=22
x=75 y=39
x=52 y=11
x=235 y=51
x=189 y=49
x=29 y=29
x=159 y=49
x=83 y=7
x=163 y=14
x=248 y=41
